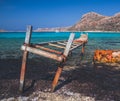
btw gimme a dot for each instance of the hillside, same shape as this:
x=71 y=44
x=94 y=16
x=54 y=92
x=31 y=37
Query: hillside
x=91 y=22
x=96 y=22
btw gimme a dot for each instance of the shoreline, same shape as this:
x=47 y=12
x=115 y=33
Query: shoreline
x=78 y=81
x=61 y=31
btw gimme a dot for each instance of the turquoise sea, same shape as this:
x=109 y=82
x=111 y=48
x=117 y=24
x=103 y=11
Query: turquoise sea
x=10 y=42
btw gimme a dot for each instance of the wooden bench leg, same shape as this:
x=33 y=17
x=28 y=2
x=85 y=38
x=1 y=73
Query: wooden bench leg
x=23 y=70
x=24 y=60
x=60 y=68
x=56 y=78
x=83 y=49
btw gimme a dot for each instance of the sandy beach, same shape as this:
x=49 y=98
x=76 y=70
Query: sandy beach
x=79 y=81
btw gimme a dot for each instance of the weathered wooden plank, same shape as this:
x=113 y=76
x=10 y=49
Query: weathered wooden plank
x=69 y=43
x=72 y=46
x=75 y=47
x=56 y=78
x=28 y=35
x=23 y=70
x=47 y=49
x=43 y=53
x=60 y=68
x=61 y=43
x=83 y=48
x=55 y=45
x=25 y=56
x=46 y=43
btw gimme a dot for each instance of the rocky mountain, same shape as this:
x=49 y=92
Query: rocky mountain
x=96 y=22
x=91 y=22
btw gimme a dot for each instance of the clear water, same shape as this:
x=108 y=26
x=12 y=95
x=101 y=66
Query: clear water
x=10 y=42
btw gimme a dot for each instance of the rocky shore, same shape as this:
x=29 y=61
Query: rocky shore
x=79 y=81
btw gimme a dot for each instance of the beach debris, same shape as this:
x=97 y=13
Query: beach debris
x=106 y=56
x=116 y=54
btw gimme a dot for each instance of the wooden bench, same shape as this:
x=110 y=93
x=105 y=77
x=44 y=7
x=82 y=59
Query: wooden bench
x=40 y=49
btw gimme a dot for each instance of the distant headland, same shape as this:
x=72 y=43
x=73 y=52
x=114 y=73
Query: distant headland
x=1 y=30
x=91 y=22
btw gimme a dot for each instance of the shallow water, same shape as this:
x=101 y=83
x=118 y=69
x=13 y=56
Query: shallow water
x=10 y=42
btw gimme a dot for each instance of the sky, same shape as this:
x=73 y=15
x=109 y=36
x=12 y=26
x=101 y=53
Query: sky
x=15 y=15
